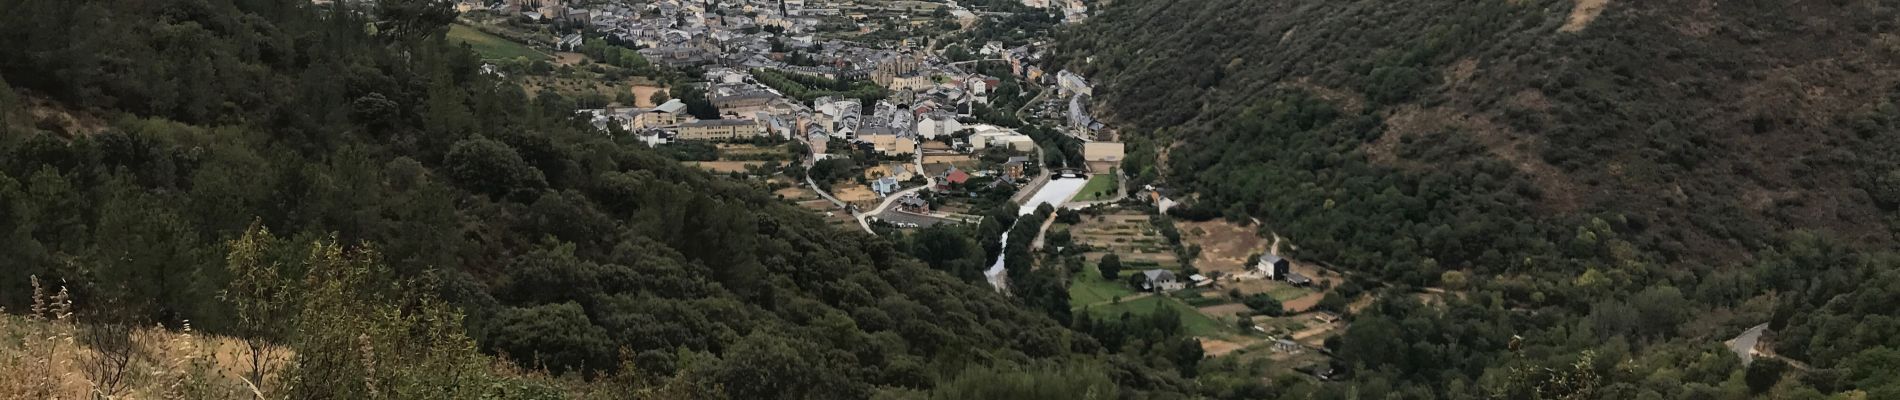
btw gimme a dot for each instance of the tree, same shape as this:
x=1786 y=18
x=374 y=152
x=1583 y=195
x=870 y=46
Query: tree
x=558 y=337
x=492 y=168
x=360 y=333
x=1110 y=266
x=1263 y=303
x=1454 y=280
x=261 y=297
x=1660 y=309
x=1763 y=373
x=413 y=19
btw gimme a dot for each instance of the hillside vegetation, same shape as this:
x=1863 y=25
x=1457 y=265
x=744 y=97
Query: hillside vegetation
x=1632 y=181
x=426 y=214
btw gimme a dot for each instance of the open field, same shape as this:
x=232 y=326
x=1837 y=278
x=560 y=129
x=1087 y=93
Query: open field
x=750 y=152
x=1100 y=187
x=568 y=58
x=1129 y=236
x=1195 y=323
x=643 y=95
x=724 y=166
x=1088 y=287
x=1225 y=246
x=859 y=195
x=491 y=46
x=958 y=160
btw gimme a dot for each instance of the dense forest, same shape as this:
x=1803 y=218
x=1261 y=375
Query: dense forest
x=293 y=174
x=1609 y=189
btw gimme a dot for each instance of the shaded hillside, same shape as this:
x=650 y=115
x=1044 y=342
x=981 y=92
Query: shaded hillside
x=1709 y=123
x=568 y=251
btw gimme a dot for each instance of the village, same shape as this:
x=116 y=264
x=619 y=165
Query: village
x=892 y=136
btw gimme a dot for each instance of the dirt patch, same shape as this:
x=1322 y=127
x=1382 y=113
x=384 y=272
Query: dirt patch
x=1224 y=311
x=796 y=194
x=566 y=58
x=1581 y=15
x=1217 y=347
x=643 y=95
x=1303 y=303
x=855 y=194
x=958 y=160
x=1560 y=193
x=1225 y=246
x=60 y=119
x=1458 y=75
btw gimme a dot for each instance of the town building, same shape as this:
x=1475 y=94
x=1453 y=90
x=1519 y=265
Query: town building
x=1160 y=280
x=719 y=129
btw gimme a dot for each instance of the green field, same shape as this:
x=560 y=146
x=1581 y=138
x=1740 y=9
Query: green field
x=1192 y=320
x=1099 y=187
x=1288 y=293
x=1088 y=287
x=490 y=46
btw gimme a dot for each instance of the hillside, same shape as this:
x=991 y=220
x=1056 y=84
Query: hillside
x=1707 y=122
x=1581 y=158
x=424 y=204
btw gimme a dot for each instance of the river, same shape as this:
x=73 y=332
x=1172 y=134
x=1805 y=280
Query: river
x=1054 y=193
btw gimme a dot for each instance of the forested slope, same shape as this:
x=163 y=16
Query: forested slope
x=139 y=138
x=1635 y=178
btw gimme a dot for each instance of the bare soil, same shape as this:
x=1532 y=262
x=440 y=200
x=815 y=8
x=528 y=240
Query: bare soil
x=1584 y=12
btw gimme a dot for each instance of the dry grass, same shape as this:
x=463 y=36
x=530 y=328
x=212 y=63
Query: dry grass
x=725 y=166
x=1225 y=246
x=43 y=356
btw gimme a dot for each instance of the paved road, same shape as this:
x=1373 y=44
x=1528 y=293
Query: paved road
x=840 y=204
x=1744 y=344
x=929 y=181
x=922 y=221
x=1042 y=177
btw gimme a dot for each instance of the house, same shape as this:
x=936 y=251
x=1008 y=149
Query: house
x=1295 y=279
x=956 y=176
x=1288 y=346
x=913 y=203
x=1273 y=266
x=1073 y=84
x=1200 y=280
x=713 y=129
x=665 y=115
x=889 y=143
x=1326 y=317
x=938 y=124
x=991 y=135
x=1160 y=280
x=885 y=186
x=899 y=171
x=1015 y=166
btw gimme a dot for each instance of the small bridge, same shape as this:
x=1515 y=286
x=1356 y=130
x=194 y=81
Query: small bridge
x=1069 y=172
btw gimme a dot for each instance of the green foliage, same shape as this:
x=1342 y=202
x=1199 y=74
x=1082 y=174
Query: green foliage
x=563 y=249
x=807 y=87
x=1262 y=303
x=487 y=166
x=556 y=336
x=490 y=46
x=1072 y=381
x=1110 y=266
x=359 y=333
